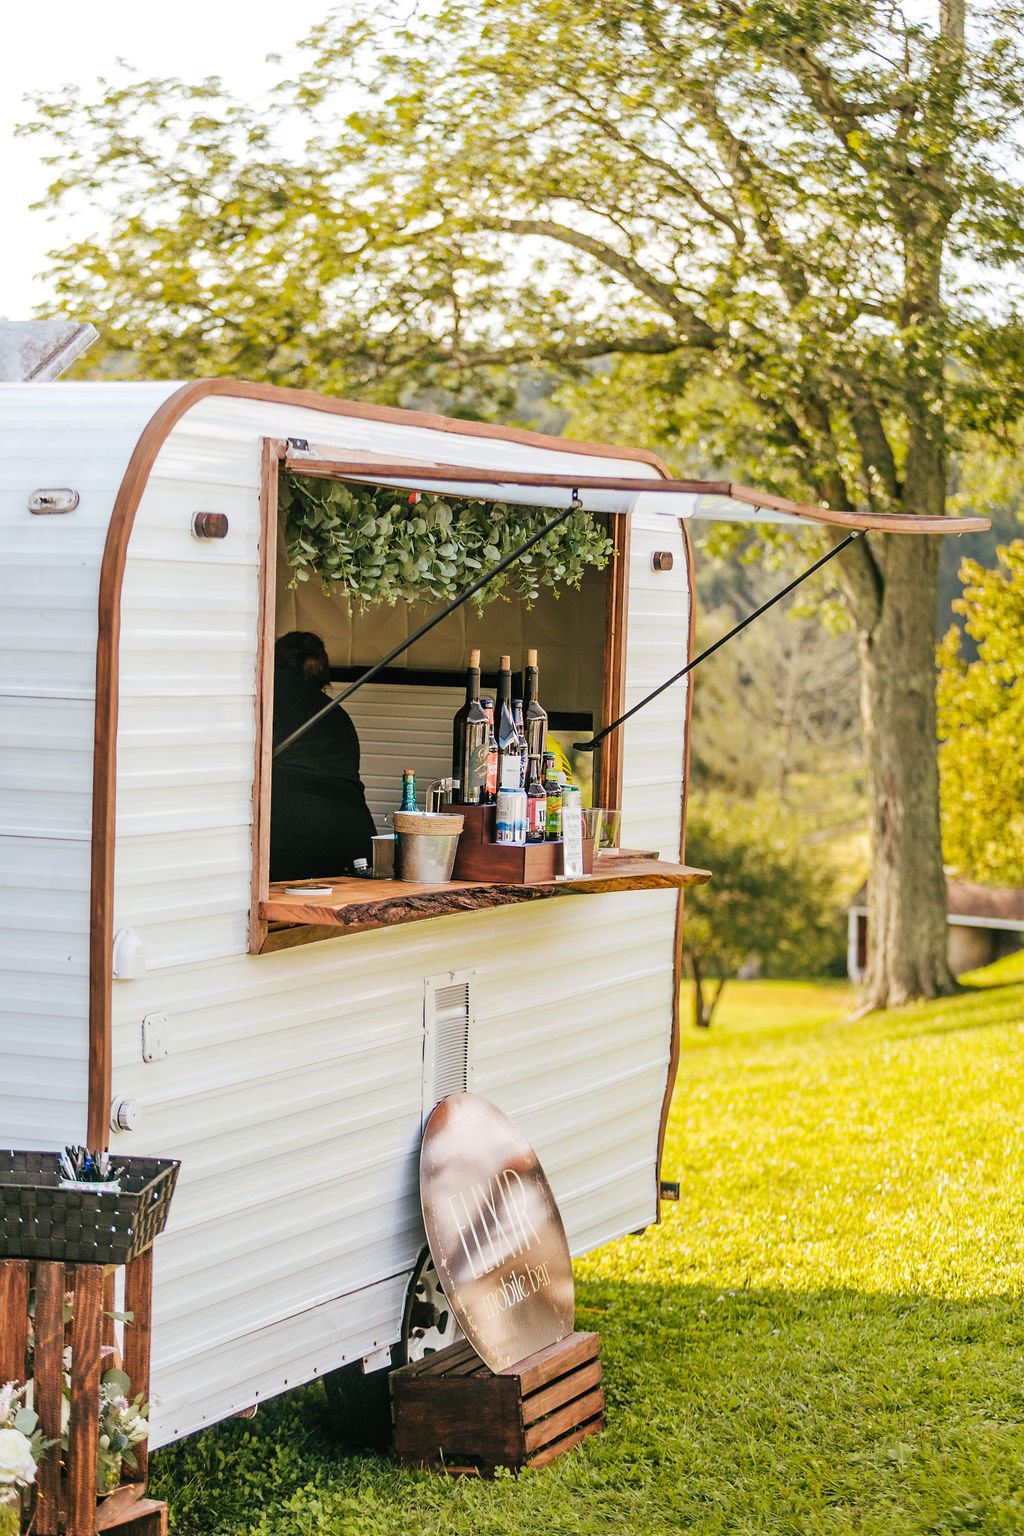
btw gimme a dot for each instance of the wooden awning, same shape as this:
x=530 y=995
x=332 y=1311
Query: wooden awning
x=694 y=500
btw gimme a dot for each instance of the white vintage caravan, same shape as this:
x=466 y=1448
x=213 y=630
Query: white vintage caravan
x=147 y=980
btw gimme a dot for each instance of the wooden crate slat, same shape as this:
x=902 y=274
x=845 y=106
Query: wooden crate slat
x=442 y=1360
x=119 y=1506
x=143 y=1517
x=556 y=1359
x=13 y=1319
x=472 y=1365
x=550 y=1453
x=48 y=1370
x=565 y=1420
x=541 y=1403
x=138 y=1302
x=86 y=1373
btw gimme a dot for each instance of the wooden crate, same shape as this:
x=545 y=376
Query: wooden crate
x=479 y=857
x=65 y=1501
x=454 y=1415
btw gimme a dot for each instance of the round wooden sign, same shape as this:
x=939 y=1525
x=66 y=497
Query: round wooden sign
x=495 y=1233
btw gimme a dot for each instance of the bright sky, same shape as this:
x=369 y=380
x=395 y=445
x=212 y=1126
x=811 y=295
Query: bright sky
x=58 y=42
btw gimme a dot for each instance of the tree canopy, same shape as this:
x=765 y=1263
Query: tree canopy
x=981 y=722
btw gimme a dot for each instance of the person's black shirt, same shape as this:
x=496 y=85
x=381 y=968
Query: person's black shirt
x=319 y=820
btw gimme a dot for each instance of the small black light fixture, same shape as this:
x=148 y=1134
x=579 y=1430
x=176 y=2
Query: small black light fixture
x=662 y=560
x=210 y=525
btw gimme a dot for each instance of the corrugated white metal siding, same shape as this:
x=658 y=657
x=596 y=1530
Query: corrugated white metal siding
x=51 y=435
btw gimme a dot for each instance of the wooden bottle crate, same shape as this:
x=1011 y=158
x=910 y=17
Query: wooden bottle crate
x=479 y=857
x=455 y=1415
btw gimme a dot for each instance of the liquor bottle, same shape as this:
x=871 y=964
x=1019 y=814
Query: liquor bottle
x=491 y=786
x=536 y=804
x=535 y=717
x=524 y=754
x=553 y=791
x=408 y=790
x=470 y=738
x=510 y=761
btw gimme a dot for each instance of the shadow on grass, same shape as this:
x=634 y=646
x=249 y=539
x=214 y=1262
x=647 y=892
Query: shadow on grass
x=745 y=1413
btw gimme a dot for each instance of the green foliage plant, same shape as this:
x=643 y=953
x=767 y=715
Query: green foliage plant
x=767 y=900
x=981 y=725
x=378 y=544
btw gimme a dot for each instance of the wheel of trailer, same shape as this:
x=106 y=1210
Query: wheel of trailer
x=429 y=1322
x=358 y=1401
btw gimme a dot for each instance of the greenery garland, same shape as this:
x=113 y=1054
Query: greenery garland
x=377 y=544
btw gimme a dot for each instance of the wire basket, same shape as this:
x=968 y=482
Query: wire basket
x=39 y=1220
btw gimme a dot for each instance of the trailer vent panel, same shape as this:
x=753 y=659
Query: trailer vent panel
x=448 y=1028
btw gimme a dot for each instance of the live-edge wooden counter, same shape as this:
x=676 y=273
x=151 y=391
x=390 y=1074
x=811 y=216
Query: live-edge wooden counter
x=356 y=906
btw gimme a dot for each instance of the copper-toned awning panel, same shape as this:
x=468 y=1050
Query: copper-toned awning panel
x=700 y=500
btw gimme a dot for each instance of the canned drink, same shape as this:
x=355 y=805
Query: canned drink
x=506 y=809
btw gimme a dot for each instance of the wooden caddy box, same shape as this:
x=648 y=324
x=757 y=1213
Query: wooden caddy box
x=454 y=1415
x=479 y=857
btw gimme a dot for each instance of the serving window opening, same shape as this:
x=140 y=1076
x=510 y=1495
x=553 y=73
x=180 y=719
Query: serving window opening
x=403 y=717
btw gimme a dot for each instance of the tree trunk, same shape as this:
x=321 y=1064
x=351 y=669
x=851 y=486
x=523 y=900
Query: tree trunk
x=906 y=889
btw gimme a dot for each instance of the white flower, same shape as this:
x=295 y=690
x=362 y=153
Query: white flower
x=17 y=1464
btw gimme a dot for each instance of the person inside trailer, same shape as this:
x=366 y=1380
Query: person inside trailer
x=319 y=820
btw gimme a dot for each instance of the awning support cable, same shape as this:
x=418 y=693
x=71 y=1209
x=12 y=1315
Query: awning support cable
x=595 y=741
x=575 y=505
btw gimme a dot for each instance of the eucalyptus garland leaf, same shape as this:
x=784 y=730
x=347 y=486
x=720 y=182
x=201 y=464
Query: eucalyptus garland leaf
x=378 y=544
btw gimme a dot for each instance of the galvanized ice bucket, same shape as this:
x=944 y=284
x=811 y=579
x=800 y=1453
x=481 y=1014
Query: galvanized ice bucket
x=425 y=844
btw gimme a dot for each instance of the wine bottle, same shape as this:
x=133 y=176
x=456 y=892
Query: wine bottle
x=553 y=790
x=535 y=716
x=470 y=740
x=536 y=804
x=491 y=788
x=510 y=761
x=517 y=716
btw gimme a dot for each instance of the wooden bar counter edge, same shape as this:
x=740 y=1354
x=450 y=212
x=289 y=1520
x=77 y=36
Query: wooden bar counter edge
x=356 y=905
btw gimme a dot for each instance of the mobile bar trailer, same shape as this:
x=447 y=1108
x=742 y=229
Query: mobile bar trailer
x=154 y=990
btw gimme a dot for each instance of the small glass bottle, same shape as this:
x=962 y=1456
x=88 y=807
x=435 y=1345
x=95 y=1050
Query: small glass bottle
x=491 y=782
x=524 y=751
x=536 y=804
x=408 y=790
x=553 y=791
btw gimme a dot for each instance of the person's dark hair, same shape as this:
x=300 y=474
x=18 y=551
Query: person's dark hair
x=304 y=654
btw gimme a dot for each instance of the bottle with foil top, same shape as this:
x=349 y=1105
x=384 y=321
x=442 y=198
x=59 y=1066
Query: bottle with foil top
x=524 y=755
x=510 y=761
x=535 y=718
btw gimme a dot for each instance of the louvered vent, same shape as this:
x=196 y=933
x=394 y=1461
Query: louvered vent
x=448 y=1021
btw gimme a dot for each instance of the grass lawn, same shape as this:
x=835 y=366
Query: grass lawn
x=824 y=1335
